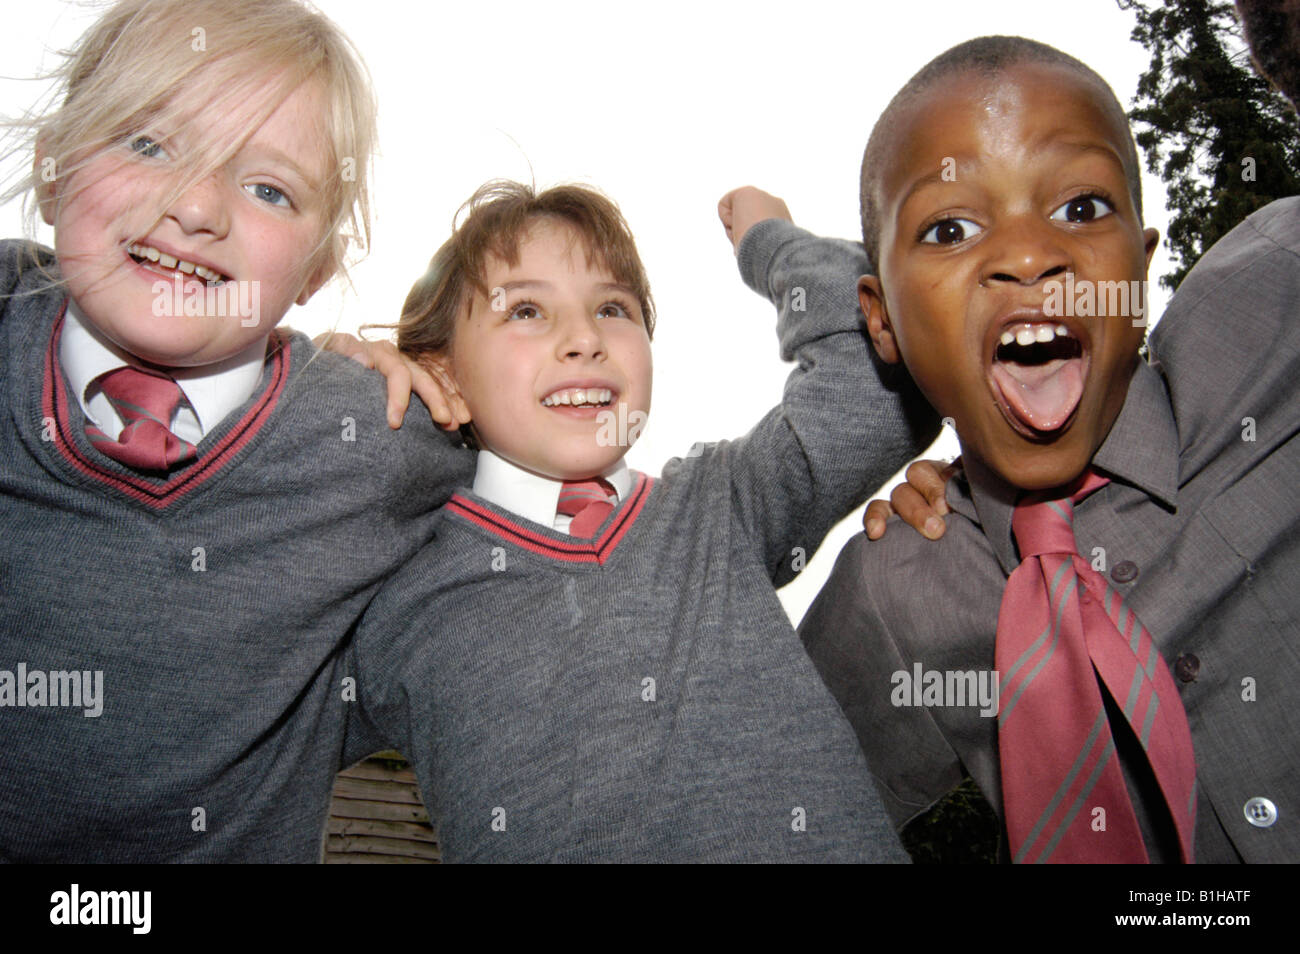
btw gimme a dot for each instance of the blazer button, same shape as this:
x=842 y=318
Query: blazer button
x=1186 y=667
x=1125 y=571
x=1260 y=812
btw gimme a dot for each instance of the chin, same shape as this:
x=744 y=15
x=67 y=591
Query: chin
x=1042 y=467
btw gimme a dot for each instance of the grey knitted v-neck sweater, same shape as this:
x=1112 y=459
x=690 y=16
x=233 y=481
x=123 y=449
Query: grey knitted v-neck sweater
x=641 y=696
x=213 y=603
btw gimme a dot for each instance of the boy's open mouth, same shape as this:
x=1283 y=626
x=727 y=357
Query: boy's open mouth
x=579 y=397
x=1038 y=372
x=169 y=266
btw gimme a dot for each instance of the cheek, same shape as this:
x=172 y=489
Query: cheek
x=494 y=374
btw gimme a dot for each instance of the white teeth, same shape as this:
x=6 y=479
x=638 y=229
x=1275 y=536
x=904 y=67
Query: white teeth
x=168 y=261
x=578 y=397
x=1032 y=333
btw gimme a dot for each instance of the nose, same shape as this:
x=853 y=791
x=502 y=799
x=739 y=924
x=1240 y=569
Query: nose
x=1025 y=251
x=201 y=207
x=580 y=337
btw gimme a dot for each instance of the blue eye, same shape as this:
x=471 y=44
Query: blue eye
x=950 y=232
x=269 y=194
x=146 y=146
x=1083 y=208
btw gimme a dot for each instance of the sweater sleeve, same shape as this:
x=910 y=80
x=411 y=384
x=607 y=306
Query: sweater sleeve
x=846 y=421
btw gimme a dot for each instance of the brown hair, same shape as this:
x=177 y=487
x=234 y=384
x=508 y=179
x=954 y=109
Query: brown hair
x=496 y=218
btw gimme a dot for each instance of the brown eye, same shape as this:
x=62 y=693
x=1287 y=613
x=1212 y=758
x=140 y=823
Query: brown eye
x=950 y=232
x=524 y=311
x=1083 y=208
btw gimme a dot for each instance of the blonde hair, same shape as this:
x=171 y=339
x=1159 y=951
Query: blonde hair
x=163 y=64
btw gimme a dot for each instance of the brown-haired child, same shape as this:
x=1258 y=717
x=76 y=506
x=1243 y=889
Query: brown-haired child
x=593 y=664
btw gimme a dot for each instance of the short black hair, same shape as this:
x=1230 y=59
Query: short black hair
x=1272 y=29
x=988 y=56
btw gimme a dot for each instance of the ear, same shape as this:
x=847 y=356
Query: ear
x=1152 y=240
x=47 y=195
x=871 y=298
x=440 y=366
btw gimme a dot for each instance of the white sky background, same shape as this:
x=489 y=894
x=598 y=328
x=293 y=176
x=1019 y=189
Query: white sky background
x=665 y=107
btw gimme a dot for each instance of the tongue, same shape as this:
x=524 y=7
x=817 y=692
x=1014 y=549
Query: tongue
x=1042 y=396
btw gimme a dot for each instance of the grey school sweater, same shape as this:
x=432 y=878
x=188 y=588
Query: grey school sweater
x=204 y=612
x=642 y=696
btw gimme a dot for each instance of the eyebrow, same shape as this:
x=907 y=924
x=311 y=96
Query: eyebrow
x=548 y=286
x=919 y=184
x=275 y=154
x=1055 y=144
x=1091 y=147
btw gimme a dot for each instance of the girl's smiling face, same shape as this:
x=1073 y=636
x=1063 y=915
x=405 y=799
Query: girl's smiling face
x=257 y=218
x=554 y=366
x=995 y=188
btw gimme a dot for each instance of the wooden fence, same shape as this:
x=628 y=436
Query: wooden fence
x=376 y=816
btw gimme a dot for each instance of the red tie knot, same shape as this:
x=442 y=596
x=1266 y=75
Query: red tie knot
x=145 y=401
x=136 y=393
x=577 y=495
x=587 y=502
x=1044 y=524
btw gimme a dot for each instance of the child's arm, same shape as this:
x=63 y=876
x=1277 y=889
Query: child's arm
x=846 y=421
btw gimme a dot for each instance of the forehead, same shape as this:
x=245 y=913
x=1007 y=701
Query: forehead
x=548 y=244
x=1021 y=111
x=268 y=114
x=296 y=130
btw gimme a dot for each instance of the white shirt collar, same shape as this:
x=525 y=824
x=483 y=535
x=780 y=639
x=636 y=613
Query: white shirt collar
x=529 y=495
x=212 y=390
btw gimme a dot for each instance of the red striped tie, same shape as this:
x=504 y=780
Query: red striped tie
x=1062 y=628
x=145 y=401
x=587 y=502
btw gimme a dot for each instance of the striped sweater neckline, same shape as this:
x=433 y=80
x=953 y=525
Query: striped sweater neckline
x=157 y=492
x=553 y=544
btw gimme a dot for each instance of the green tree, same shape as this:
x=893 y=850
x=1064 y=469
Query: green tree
x=1224 y=142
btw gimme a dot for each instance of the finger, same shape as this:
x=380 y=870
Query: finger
x=456 y=414
x=431 y=393
x=946 y=473
x=345 y=344
x=916 y=511
x=725 y=215
x=930 y=477
x=398 y=377
x=878 y=512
